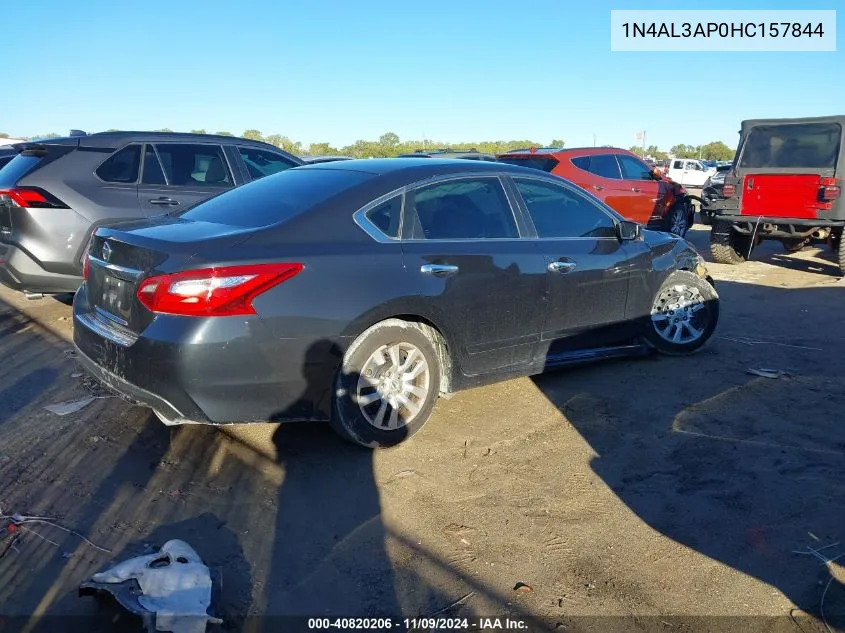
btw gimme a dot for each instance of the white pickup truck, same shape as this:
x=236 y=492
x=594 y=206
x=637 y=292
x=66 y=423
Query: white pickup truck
x=689 y=172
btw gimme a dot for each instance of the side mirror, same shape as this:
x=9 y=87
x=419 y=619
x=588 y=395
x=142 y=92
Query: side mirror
x=628 y=231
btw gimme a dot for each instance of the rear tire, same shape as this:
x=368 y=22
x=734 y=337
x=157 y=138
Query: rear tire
x=684 y=314
x=727 y=246
x=388 y=384
x=840 y=248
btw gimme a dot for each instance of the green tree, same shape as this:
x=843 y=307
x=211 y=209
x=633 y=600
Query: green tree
x=113 y=129
x=716 y=150
x=556 y=143
x=253 y=135
x=322 y=149
x=283 y=142
x=164 y=129
x=224 y=134
x=199 y=131
x=389 y=139
x=4 y=135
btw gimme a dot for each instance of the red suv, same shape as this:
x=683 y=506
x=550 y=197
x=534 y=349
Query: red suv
x=620 y=179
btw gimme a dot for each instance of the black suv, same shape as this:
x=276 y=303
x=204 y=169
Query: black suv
x=56 y=192
x=471 y=154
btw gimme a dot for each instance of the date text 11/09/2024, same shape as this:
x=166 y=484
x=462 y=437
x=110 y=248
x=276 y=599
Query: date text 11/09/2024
x=458 y=624
x=722 y=29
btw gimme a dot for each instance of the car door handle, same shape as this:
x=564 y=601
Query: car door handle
x=561 y=267
x=598 y=187
x=438 y=270
x=164 y=201
x=635 y=189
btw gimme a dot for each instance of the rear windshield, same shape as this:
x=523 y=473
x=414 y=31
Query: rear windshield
x=17 y=168
x=275 y=198
x=543 y=163
x=800 y=145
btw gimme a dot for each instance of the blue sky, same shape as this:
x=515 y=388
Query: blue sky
x=338 y=71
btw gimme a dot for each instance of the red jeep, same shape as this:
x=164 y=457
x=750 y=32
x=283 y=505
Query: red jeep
x=784 y=185
x=620 y=179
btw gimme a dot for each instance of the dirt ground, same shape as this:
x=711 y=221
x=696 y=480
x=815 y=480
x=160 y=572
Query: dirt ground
x=629 y=495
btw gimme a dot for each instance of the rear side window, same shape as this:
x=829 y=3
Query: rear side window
x=472 y=208
x=17 y=168
x=387 y=216
x=275 y=198
x=560 y=212
x=122 y=166
x=543 y=163
x=605 y=166
x=260 y=163
x=152 y=174
x=804 y=145
x=632 y=169
x=199 y=166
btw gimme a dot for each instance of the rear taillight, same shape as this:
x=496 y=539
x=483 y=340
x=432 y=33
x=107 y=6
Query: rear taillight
x=32 y=198
x=227 y=291
x=728 y=190
x=85 y=265
x=829 y=190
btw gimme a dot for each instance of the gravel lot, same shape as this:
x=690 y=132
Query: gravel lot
x=670 y=487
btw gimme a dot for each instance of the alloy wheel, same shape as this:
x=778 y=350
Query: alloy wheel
x=679 y=314
x=393 y=386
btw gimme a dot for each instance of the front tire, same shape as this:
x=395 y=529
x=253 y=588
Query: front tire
x=727 y=246
x=684 y=314
x=388 y=384
x=840 y=248
x=677 y=221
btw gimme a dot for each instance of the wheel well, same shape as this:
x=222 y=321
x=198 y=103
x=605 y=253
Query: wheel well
x=441 y=346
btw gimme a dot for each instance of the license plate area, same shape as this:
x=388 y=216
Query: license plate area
x=116 y=297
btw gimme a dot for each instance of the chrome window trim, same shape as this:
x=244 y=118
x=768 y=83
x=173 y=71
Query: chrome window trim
x=365 y=224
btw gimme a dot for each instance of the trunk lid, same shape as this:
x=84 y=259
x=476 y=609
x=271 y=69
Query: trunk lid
x=120 y=258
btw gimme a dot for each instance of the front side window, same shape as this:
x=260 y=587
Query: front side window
x=605 y=166
x=678 y=165
x=472 y=208
x=560 y=212
x=260 y=163
x=632 y=169
x=122 y=166
x=187 y=165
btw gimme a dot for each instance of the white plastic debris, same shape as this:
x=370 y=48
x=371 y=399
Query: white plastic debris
x=65 y=408
x=175 y=586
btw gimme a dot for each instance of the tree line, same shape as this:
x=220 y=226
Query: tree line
x=389 y=144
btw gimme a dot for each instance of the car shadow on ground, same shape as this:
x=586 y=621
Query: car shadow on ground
x=301 y=534
x=744 y=469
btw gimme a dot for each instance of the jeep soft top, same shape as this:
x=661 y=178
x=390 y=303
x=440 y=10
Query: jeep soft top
x=785 y=184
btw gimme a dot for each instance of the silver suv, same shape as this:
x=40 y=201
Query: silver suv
x=56 y=192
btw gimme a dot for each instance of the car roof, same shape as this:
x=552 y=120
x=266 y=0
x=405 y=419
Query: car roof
x=425 y=166
x=116 y=139
x=555 y=151
x=837 y=118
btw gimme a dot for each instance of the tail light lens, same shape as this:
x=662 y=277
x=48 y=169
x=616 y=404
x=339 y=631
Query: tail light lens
x=227 y=291
x=85 y=266
x=728 y=190
x=32 y=198
x=829 y=190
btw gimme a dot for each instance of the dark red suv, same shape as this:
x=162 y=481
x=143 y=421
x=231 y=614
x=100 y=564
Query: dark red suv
x=620 y=179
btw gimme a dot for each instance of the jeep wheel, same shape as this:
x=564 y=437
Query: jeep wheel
x=727 y=246
x=684 y=314
x=677 y=220
x=840 y=248
x=388 y=384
